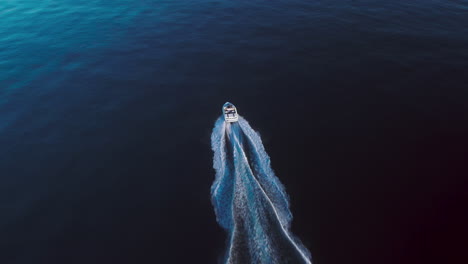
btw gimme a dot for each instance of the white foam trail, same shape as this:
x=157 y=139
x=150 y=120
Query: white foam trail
x=249 y=200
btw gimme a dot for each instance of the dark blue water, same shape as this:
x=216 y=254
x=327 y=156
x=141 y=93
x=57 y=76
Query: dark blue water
x=106 y=109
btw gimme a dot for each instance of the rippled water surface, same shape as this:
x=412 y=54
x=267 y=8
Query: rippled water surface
x=106 y=108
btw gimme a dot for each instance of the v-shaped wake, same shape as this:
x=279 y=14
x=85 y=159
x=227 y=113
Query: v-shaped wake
x=249 y=200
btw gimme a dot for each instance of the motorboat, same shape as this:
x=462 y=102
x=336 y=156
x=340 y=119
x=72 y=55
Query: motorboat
x=230 y=113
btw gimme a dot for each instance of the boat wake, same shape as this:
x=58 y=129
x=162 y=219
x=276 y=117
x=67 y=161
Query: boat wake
x=249 y=200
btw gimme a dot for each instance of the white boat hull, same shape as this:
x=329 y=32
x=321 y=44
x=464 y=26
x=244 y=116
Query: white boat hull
x=230 y=113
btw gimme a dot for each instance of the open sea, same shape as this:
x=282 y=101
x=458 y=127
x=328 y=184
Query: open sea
x=106 y=111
